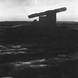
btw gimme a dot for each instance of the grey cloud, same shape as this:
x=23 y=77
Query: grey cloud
x=17 y=2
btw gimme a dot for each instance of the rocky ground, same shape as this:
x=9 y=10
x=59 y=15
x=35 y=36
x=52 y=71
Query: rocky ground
x=39 y=65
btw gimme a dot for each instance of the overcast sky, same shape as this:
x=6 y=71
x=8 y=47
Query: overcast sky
x=11 y=10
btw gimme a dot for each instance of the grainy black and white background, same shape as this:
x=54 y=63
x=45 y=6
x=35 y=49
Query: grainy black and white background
x=45 y=46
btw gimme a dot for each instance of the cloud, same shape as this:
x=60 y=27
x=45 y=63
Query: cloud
x=15 y=3
x=20 y=2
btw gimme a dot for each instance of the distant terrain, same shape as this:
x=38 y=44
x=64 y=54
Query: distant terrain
x=70 y=24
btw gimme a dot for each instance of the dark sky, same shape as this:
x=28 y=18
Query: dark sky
x=11 y=10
